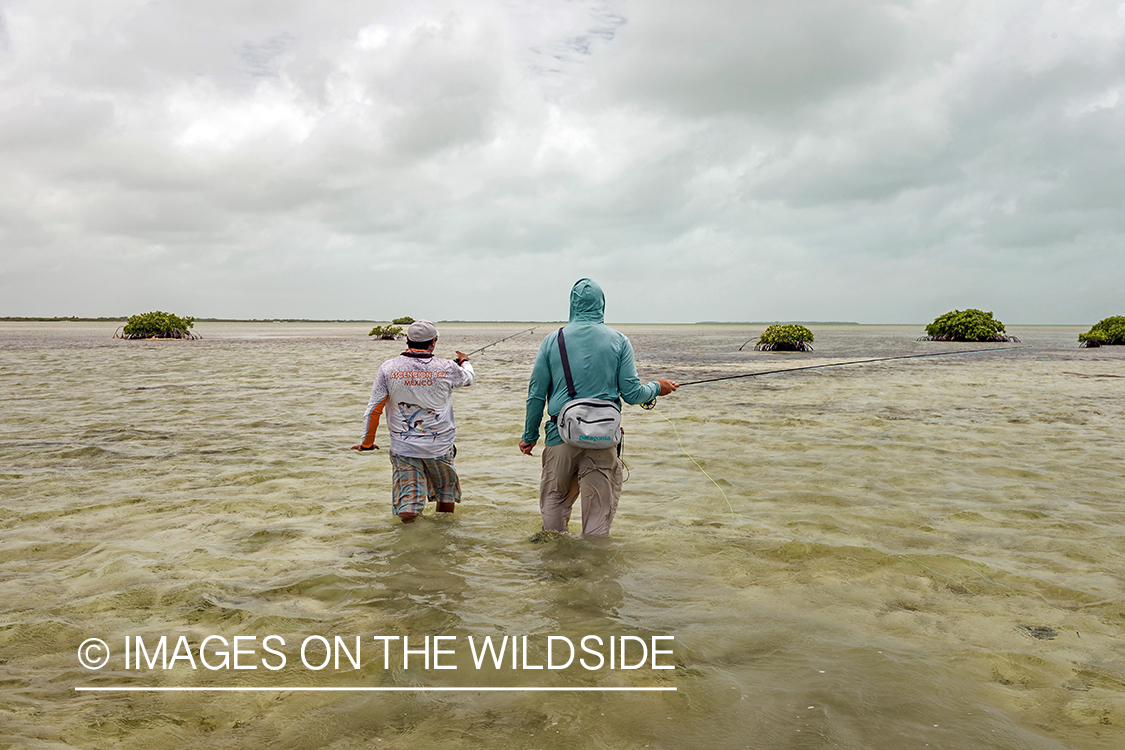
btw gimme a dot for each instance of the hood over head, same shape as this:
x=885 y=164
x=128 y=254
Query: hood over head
x=587 y=302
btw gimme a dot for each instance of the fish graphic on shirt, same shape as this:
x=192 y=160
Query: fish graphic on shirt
x=418 y=419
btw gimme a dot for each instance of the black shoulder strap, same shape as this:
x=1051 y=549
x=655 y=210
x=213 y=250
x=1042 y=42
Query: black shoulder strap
x=566 y=367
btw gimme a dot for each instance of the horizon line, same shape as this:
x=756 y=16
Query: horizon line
x=122 y=319
x=189 y=689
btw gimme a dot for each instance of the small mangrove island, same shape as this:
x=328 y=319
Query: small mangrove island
x=966 y=325
x=386 y=333
x=1108 y=331
x=157 y=325
x=785 y=337
x=392 y=331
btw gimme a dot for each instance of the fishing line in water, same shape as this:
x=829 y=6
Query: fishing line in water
x=652 y=405
x=920 y=565
x=980 y=575
x=789 y=533
x=684 y=452
x=1054 y=385
x=951 y=578
x=881 y=435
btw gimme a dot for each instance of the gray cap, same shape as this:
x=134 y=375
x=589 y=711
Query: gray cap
x=421 y=331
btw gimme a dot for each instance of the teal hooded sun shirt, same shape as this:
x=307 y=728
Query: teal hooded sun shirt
x=601 y=363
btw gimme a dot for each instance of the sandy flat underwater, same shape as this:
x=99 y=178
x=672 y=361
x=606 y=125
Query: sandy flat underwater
x=921 y=553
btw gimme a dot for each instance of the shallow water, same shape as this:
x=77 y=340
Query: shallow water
x=921 y=553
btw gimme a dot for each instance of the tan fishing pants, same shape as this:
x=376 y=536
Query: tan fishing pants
x=569 y=472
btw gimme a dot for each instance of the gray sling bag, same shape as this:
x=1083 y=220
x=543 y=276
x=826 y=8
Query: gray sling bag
x=586 y=422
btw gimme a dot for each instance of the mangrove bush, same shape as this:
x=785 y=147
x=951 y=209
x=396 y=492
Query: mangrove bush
x=386 y=333
x=158 y=325
x=966 y=325
x=403 y=321
x=785 y=337
x=1109 y=330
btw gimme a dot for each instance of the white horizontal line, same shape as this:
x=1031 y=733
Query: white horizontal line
x=142 y=689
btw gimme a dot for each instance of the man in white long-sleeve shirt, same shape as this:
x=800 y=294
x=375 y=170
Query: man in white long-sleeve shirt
x=415 y=389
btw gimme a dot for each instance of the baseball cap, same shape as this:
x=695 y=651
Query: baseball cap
x=421 y=330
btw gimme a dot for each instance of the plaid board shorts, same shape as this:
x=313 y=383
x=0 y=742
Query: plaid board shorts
x=419 y=479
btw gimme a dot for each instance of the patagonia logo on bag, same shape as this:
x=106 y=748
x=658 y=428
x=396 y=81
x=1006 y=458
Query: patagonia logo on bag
x=586 y=422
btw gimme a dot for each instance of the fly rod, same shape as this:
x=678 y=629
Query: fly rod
x=853 y=362
x=494 y=343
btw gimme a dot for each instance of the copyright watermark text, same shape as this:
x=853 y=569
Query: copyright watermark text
x=318 y=652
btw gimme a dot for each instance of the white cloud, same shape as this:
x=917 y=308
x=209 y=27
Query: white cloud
x=209 y=120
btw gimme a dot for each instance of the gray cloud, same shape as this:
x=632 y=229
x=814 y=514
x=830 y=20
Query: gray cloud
x=842 y=160
x=758 y=58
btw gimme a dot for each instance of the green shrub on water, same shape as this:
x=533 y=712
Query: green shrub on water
x=158 y=325
x=1109 y=330
x=386 y=333
x=403 y=321
x=966 y=325
x=785 y=337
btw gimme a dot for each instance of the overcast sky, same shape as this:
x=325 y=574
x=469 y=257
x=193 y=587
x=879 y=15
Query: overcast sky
x=878 y=162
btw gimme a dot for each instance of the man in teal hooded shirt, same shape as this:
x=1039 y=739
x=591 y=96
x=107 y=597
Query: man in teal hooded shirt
x=602 y=366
